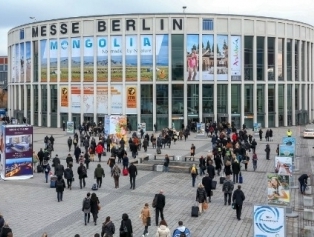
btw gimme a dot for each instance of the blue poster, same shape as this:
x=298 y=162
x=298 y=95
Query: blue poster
x=285 y=150
x=289 y=141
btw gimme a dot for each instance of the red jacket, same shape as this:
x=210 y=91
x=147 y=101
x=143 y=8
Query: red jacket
x=99 y=149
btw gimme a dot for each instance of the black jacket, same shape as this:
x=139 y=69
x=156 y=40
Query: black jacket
x=201 y=195
x=68 y=173
x=59 y=170
x=161 y=201
x=126 y=222
x=207 y=183
x=40 y=155
x=132 y=170
x=60 y=189
x=4 y=231
x=238 y=197
x=235 y=167
x=303 y=178
x=211 y=171
x=56 y=161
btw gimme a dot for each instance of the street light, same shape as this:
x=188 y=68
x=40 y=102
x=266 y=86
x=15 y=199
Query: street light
x=184 y=7
x=33 y=18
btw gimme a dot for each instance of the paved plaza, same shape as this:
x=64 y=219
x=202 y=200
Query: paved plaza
x=31 y=207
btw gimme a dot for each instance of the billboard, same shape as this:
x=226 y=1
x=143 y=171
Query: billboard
x=222 y=57
x=162 y=57
x=64 y=59
x=116 y=99
x=22 y=62
x=107 y=124
x=192 y=57
x=235 y=58
x=43 y=60
x=116 y=58
x=13 y=66
x=70 y=127
x=88 y=99
x=102 y=59
x=283 y=165
x=118 y=127
x=64 y=99
x=88 y=60
x=208 y=50
x=146 y=69
x=131 y=95
x=289 y=141
x=102 y=99
x=200 y=128
x=285 y=150
x=53 y=58
x=269 y=221
x=28 y=61
x=278 y=189
x=17 y=151
x=76 y=99
x=76 y=59
x=131 y=50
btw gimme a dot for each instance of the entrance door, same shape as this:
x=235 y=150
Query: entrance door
x=89 y=119
x=222 y=118
x=236 y=120
x=76 y=120
x=208 y=119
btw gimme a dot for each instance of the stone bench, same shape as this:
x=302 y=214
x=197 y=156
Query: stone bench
x=157 y=157
x=308 y=201
x=189 y=157
x=308 y=214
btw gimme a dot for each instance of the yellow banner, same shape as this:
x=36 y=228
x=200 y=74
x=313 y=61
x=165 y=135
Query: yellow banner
x=131 y=97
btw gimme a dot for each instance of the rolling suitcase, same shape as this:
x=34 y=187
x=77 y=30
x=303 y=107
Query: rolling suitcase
x=221 y=180
x=214 y=184
x=53 y=180
x=194 y=212
x=240 y=179
x=158 y=150
x=125 y=172
x=40 y=169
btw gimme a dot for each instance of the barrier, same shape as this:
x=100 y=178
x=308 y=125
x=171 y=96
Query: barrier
x=308 y=215
x=308 y=201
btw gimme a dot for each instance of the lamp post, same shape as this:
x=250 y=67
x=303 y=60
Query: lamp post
x=184 y=7
x=33 y=18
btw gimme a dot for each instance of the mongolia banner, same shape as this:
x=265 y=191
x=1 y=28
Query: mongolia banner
x=64 y=59
x=278 y=189
x=53 y=58
x=102 y=99
x=76 y=99
x=88 y=99
x=131 y=50
x=28 y=61
x=146 y=58
x=76 y=59
x=162 y=57
x=116 y=58
x=131 y=105
x=235 y=54
x=88 y=62
x=102 y=59
x=43 y=60
x=64 y=99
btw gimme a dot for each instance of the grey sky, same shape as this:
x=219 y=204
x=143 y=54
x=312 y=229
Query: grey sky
x=17 y=12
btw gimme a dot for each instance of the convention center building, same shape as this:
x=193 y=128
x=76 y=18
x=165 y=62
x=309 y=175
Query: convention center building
x=164 y=69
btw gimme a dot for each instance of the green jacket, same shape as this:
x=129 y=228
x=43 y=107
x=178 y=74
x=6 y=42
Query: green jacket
x=99 y=172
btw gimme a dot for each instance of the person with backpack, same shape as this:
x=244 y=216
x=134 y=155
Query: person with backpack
x=59 y=170
x=68 y=175
x=126 y=229
x=69 y=143
x=237 y=198
x=181 y=231
x=47 y=169
x=254 y=161
x=55 y=162
x=132 y=174
x=60 y=185
x=115 y=173
x=166 y=163
x=227 y=188
x=108 y=228
x=82 y=173
x=86 y=208
x=194 y=173
x=99 y=173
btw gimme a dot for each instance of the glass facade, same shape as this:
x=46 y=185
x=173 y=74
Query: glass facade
x=177 y=57
x=193 y=101
x=53 y=106
x=271 y=105
x=208 y=99
x=271 y=59
x=162 y=98
x=281 y=98
x=260 y=58
x=44 y=105
x=260 y=104
x=289 y=59
x=280 y=59
x=147 y=99
x=222 y=99
x=248 y=58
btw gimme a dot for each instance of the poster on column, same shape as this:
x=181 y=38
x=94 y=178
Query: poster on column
x=289 y=141
x=118 y=128
x=285 y=150
x=222 y=57
x=88 y=99
x=64 y=59
x=16 y=152
x=17 y=63
x=269 y=221
x=102 y=99
x=192 y=58
x=22 y=62
x=235 y=54
x=88 y=62
x=283 y=165
x=76 y=59
x=76 y=99
x=116 y=58
x=28 y=61
x=53 y=58
x=131 y=95
x=278 y=189
x=147 y=71
x=107 y=124
x=131 y=50
x=208 y=49
x=64 y=99
x=13 y=66
x=102 y=59
x=162 y=57
x=116 y=99
x=43 y=60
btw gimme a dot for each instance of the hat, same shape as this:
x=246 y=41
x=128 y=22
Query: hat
x=56 y=154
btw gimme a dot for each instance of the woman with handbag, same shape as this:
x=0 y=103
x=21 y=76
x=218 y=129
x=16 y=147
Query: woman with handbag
x=108 y=228
x=145 y=216
x=201 y=197
x=94 y=207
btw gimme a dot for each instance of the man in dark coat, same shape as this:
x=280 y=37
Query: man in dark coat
x=267 y=150
x=55 y=162
x=160 y=204
x=132 y=174
x=207 y=183
x=59 y=170
x=211 y=169
x=69 y=143
x=235 y=170
x=41 y=156
x=238 y=198
x=303 y=182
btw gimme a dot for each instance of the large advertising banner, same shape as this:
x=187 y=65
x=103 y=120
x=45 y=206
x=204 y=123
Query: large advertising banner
x=13 y=65
x=53 y=58
x=278 y=189
x=208 y=49
x=289 y=141
x=17 y=63
x=131 y=50
x=76 y=59
x=88 y=62
x=192 y=57
x=283 y=165
x=269 y=221
x=222 y=57
x=200 y=128
x=22 y=62
x=107 y=124
x=118 y=128
x=43 y=60
x=88 y=99
x=28 y=61
x=64 y=99
x=162 y=57
x=102 y=99
x=102 y=59
x=236 y=60
x=116 y=99
x=147 y=71
x=116 y=58
x=64 y=59
x=76 y=99
x=17 y=151
x=131 y=95
x=285 y=150
x=70 y=127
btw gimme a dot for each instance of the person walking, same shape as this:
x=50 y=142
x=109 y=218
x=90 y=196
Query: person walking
x=70 y=143
x=238 y=198
x=47 y=170
x=235 y=170
x=126 y=229
x=159 y=206
x=163 y=229
x=55 y=162
x=35 y=160
x=194 y=173
x=86 y=208
x=99 y=150
x=60 y=185
x=218 y=164
x=207 y=183
x=166 y=163
x=41 y=155
x=68 y=175
x=192 y=151
x=181 y=230
x=77 y=152
x=108 y=141
x=82 y=173
x=260 y=133
x=115 y=173
x=253 y=145
x=99 y=173
x=146 y=218
x=132 y=174
x=69 y=161
x=108 y=228
x=125 y=161
x=59 y=170
x=227 y=189
x=94 y=207
x=211 y=169
x=202 y=165
x=267 y=150
x=303 y=182
x=254 y=161
x=201 y=197
x=6 y=230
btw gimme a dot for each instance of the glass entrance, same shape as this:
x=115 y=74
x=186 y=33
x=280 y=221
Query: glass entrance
x=177 y=123
x=132 y=122
x=208 y=119
x=222 y=118
x=236 y=120
x=76 y=118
